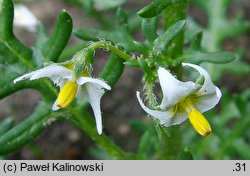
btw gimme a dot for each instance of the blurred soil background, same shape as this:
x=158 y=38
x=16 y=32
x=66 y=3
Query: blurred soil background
x=64 y=141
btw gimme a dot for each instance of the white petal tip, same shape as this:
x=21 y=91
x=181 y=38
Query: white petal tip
x=218 y=92
x=108 y=87
x=99 y=132
x=99 y=126
x=161 y=69
x=55 y=107
x=19 y=79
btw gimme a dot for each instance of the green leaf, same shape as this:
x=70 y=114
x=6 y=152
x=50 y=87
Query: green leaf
x=196 y=41
x=163 y=41
x=11 y=49
x=120 y=37
x=52 y=49
x=236 y=67
x=5 y=125
x=149 y=28
x=28 y=129
x=156 y=7
x=9 y=73
x=213 y=57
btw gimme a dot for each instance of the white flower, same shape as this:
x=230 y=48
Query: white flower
x=63 y=77
x=24 y=18
x=182 y=100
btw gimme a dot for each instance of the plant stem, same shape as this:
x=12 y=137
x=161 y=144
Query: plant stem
x=112 y=48
x=171 y=143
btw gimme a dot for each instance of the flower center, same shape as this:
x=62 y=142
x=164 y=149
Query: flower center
x=197 y=119
x=67 y=94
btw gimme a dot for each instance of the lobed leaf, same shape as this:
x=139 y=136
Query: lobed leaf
x=6 y=124
x=52 y=49
x=11 y=49
x=28 y=129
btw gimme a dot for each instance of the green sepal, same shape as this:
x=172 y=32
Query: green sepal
x=89 y=55
x=156 y=7
x=213 y=57
x=52 y=49
x=163 y=41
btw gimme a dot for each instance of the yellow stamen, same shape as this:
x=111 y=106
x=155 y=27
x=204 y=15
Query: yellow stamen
x=198 y=121
x=67 y=94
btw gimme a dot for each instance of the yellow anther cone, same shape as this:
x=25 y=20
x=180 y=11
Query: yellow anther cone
x=67 y=94
x=199 y=122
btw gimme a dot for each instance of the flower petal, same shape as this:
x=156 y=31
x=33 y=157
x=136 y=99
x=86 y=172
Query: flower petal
x=53 y=72
x=178 y=118
x=103 y=84
x=94 y=94
x=208 y=87
x=207 y=101
x=58 y=81
x=208 y=95
x=23 y=77
x=162 y=116
x=173 y=89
